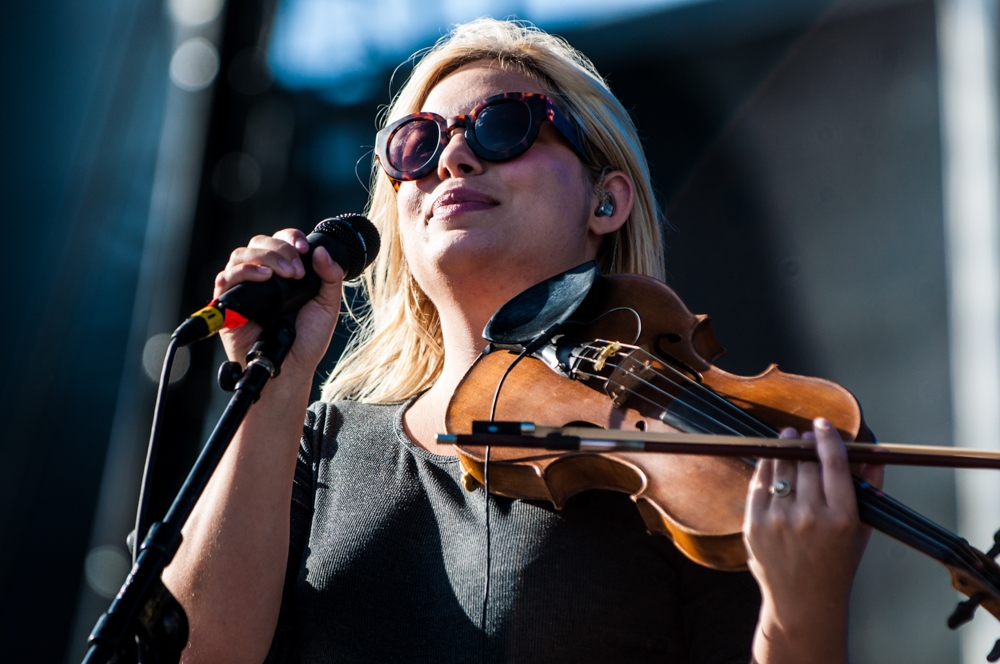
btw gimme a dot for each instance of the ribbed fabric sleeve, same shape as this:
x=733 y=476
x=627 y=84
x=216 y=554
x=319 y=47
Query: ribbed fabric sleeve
x=387 y=563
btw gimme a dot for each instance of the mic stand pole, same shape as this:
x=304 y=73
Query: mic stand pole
x=143 y=596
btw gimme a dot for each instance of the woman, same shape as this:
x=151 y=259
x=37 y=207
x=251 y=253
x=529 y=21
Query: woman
x=388 y=555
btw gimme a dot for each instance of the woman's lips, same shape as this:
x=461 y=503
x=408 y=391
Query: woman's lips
x=458 y=201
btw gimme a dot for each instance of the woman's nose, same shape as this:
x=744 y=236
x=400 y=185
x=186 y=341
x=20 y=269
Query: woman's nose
x=457 y=158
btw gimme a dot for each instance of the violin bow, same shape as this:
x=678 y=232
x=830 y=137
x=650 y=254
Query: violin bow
x=590 y=439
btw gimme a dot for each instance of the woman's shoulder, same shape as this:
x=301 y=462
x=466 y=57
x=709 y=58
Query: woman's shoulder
x=346 y=411
x=350 y=408
x=346 y=421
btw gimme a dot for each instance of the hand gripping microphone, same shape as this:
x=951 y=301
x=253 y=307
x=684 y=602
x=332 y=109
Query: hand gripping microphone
x=352 y=242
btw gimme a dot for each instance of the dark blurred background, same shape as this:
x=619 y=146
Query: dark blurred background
x=799 y=147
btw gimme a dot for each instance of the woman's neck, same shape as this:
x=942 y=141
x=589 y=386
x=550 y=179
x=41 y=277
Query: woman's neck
x=463 y=313
x=461 y=331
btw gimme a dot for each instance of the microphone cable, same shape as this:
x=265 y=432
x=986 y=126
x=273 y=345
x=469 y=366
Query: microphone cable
x=141 y=517
x=530 y=348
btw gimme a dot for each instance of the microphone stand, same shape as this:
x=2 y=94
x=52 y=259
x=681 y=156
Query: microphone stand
x=144 y=611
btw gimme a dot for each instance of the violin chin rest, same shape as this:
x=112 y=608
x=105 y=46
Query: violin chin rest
x=541 y=309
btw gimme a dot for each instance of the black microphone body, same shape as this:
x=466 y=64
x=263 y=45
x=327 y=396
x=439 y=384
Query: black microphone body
x=352 y=243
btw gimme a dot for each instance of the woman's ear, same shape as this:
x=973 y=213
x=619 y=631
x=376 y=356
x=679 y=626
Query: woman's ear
x=613 y=198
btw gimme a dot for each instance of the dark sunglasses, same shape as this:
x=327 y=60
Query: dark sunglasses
x=502 y=127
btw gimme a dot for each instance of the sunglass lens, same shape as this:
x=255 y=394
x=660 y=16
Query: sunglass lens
x=503 y=126
x=413 y=145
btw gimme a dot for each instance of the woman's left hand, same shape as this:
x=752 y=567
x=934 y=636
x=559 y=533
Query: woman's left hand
x=804 y=542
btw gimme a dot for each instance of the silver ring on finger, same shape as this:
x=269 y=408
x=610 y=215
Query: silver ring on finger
x=781 y=488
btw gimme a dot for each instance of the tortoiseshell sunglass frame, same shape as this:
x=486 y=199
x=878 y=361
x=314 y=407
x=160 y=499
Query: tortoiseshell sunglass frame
x=540 y=108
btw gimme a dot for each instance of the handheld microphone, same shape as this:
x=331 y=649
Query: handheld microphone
x=352 y=242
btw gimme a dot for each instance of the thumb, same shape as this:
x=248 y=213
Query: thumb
x=332 y=276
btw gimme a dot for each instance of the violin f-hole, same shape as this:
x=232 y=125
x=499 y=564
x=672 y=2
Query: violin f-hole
x=662 y=345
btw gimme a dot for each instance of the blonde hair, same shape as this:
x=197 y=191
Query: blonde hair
x=397 y=351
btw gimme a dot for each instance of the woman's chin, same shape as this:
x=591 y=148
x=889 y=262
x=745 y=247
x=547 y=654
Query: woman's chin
x=465 y=249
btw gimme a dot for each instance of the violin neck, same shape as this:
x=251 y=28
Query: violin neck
x=875 y=508
x=888 y=515
x=694 y=408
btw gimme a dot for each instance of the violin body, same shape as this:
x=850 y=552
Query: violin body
x=698 y=501
x=623 y=352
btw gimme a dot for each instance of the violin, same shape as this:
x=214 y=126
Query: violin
x=624 y=353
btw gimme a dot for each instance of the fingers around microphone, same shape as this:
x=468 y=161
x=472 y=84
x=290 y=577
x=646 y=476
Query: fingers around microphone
x=326 y=268
x=332 y=277
x=276 y=254
x=295 y=238
x=234 y=275
x=281 y=243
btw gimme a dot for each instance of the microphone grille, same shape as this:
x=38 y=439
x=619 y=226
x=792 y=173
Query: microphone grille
x=357 y=236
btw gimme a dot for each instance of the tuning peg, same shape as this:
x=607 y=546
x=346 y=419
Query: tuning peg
x=995 y=549
x=964 y=611
x=995 y=653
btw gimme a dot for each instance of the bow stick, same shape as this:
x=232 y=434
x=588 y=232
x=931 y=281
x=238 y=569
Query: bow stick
x=590 y=439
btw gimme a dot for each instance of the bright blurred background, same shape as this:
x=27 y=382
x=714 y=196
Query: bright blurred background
x=829 y=171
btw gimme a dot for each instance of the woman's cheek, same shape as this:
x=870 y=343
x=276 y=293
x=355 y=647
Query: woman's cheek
x=408 y=203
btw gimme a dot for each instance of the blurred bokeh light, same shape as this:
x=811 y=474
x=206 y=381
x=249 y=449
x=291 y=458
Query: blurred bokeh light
x=339 y=44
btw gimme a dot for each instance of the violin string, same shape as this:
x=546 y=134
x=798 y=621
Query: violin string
x=706 y=396
x=630 y=391
x=893 y=518
x=697 y=392
x=691 y=426
x=913 y=529
x=896 y=519
x=910 y=533
x=881 y=511
x=917 y=526
x=904 y=513
x=714 y=401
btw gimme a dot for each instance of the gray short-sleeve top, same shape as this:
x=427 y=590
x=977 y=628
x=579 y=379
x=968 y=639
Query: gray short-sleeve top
x=388 y=563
